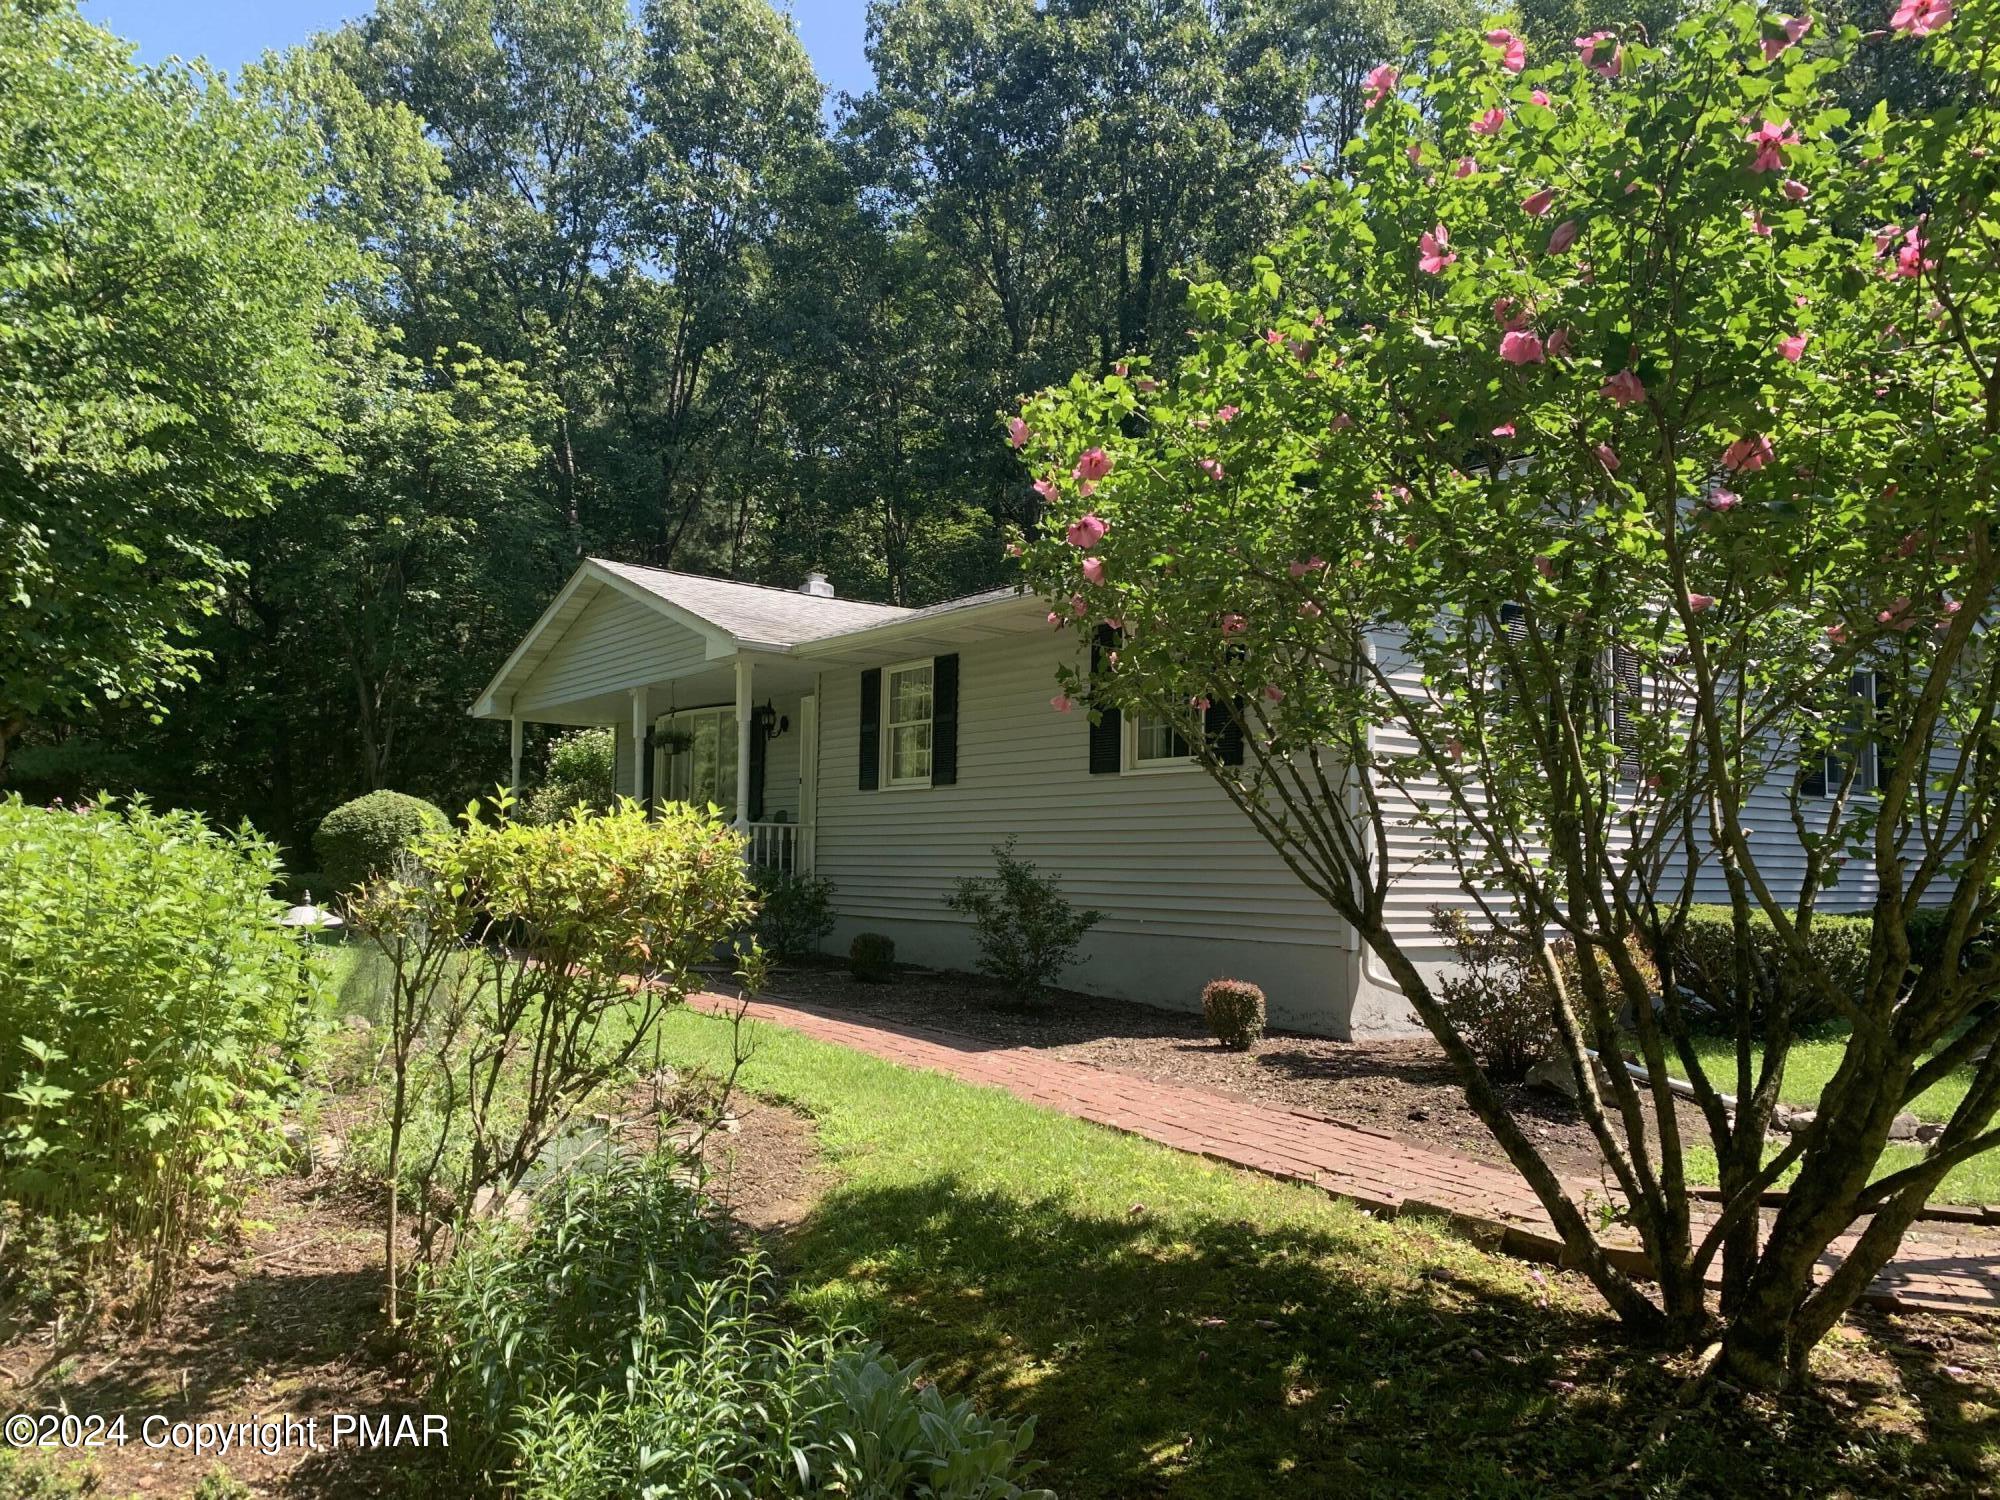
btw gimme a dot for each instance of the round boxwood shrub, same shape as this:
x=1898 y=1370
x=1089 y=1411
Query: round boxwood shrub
x=869 y=956
x=1234 y=1009
x=359 y=838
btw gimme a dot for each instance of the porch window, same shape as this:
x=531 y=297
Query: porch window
x=906 y=722
x=706 y=771
x=1157 y=744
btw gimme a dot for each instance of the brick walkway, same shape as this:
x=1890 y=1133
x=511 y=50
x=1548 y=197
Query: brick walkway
x=1938 y=1270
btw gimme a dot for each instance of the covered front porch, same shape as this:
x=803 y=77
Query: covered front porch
x=701 y=715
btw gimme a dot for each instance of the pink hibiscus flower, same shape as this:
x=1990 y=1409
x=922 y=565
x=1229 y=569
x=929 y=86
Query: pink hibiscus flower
x=1770 y=138
x=1212 y=467
x=1490 y=122
x=1921 y=17
x=1795 y=190
x=1465 y=168
x=1518 y=346
x=1559 y=343
x=1093 y=570
x=1789 y=35
x=1086 y=531
x=1093 y=466
x=1538 y=203
x=1435 y=255
x=1504 y=430
x=1563 y=237
x=1513 y=51
x=1602 y=54
x=1793 y=347
x=1018 y=432
x=1701 y=602
x=1510 y=314
x=1608 y=456
x=1046 y=488
x=1747 y=455
x=1724 y=500
x=1062 y=703
x=1380 y=82
x=1624 y=388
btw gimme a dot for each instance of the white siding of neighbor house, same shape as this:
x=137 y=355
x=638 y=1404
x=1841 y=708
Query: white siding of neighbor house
x=1189 y=891
x=614 y=643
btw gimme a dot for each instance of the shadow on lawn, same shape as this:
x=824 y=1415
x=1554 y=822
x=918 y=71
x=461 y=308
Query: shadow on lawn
x=1219 y=1359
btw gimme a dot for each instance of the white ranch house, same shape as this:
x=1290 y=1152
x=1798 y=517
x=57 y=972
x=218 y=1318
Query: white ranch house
x=888 y=749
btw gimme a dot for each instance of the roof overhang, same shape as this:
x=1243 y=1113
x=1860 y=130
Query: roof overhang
x=588 y=581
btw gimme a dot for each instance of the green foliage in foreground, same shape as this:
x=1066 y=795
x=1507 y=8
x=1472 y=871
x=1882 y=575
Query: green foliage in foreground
x=621 y=1346
x=149 y=1004
x=1180 y=1329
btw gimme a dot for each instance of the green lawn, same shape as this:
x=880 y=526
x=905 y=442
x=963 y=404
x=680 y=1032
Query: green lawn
x=1809 y=1067
x=1180 y=1329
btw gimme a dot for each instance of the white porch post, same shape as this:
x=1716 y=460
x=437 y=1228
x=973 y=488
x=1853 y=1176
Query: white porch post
x=639 y=701
x=514 y=727
x=744 y=670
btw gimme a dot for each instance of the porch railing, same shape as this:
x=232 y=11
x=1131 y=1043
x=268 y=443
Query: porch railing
x=778 y=846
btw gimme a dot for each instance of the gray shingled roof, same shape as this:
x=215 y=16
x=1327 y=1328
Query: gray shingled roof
x=753 y=611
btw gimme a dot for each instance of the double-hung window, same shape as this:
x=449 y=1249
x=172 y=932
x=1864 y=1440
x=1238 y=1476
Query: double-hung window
x=1827 y=774
x=906 y=722
x=1157 y=745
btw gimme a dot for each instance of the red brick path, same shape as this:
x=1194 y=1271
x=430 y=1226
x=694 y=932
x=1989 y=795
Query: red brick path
x=1937 y=1270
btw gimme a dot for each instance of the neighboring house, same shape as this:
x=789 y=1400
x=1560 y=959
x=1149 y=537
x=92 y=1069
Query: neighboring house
x=889 y=749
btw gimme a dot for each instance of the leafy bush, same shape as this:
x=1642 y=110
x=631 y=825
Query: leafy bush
x=528 y=964
x=1234 y=1009
x=1496 y=999
x=794 y=912
x=1027 y=932
x=1706 y=964
x=582 y=773
x=870 y=956
x=362 y=838
x=618 y=1346
x=149 y=1007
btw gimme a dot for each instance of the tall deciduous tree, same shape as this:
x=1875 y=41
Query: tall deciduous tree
x=1601 y=483
x=160 y=365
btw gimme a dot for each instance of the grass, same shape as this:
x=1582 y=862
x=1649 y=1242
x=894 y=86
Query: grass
x=1180 y=1329
x=1809 y=1066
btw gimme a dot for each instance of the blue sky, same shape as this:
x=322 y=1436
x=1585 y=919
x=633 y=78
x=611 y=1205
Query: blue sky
x=230 y=33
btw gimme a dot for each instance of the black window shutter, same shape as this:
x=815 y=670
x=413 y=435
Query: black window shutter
x=944 y=720
x=871 y=729
x=1107 y=731
x=759 y=746
x=1627 y=698
x=1224 y=730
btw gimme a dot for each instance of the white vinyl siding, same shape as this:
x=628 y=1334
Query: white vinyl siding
x=615 y=643
x=1156 y=854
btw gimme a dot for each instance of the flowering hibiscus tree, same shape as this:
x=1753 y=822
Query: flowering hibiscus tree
x=1612 y=409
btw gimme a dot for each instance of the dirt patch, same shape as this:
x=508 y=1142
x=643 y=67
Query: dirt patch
x=287 y=1321
x=762 y=1159
x=284 y=1322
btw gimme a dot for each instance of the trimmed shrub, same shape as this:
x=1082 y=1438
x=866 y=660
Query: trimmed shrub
x=581 y=773
x=362 y=838
x=794 y=912
x=1705 y=963
x=1234 y=1009
x=620 y=1345
x=1027 y=931
x=870 y=955
x=150 y=1007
